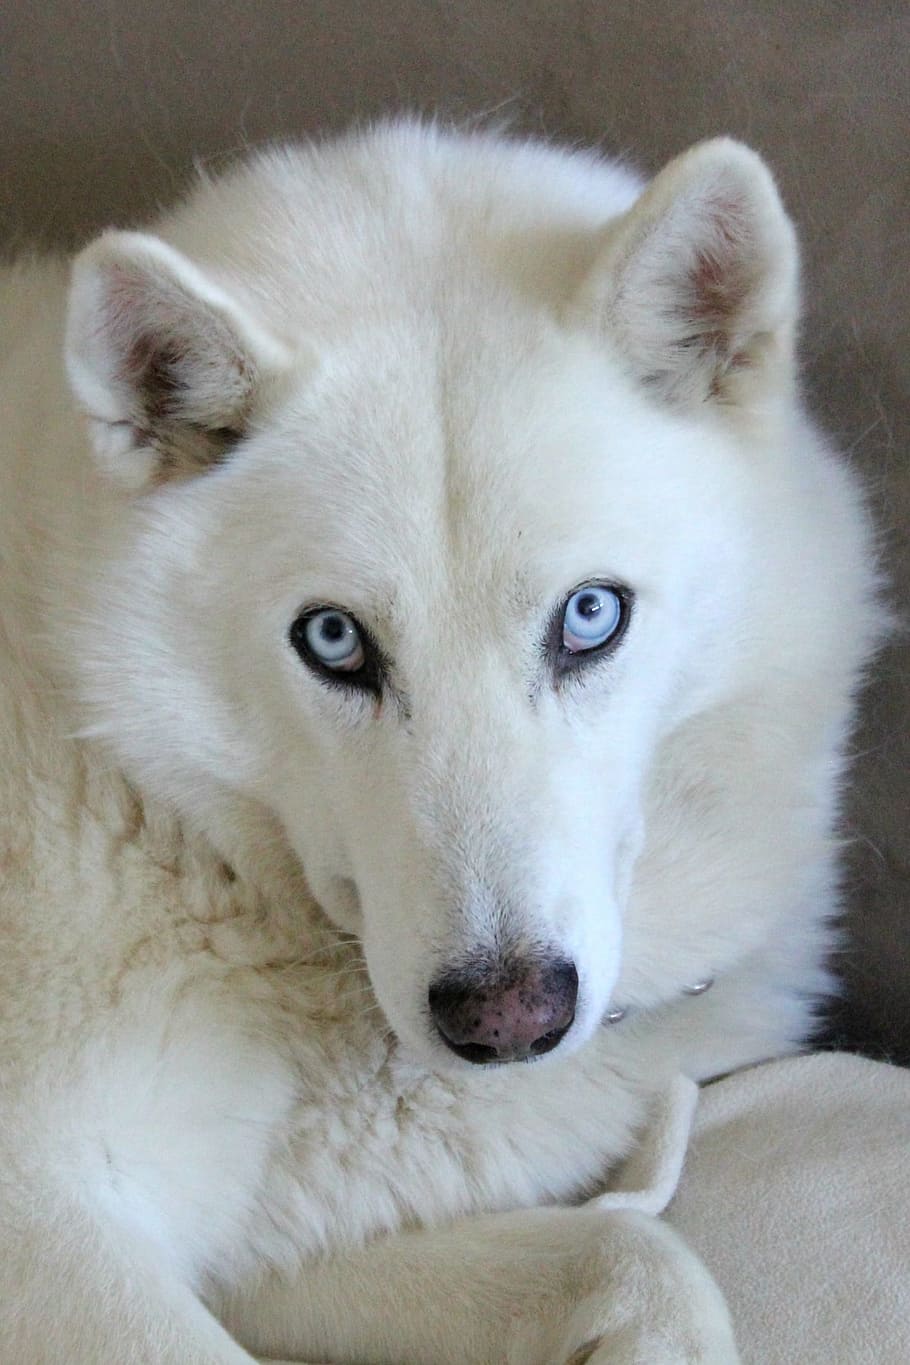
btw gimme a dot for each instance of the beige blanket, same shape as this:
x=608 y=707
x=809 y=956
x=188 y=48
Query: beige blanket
x=796 y=1193
x=792 y=1183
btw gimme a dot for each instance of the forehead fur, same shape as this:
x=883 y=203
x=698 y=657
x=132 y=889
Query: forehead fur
x=441 y=410
x=323 y=239
x=478 y=450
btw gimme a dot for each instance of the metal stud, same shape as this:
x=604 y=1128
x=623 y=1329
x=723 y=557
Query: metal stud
x=614 y=1016
x=699 y=987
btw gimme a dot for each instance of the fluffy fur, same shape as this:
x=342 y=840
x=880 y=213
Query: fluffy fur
x=438 y=381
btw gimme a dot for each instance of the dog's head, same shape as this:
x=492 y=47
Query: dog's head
x=432 y=576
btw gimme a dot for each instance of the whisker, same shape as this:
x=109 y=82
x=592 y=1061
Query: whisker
x=354 y=971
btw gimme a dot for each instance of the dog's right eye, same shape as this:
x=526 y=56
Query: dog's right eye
x=333 y=638
x=334 y=645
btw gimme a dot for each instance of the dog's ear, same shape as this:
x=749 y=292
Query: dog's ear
x=168 y=367
x=696 y=285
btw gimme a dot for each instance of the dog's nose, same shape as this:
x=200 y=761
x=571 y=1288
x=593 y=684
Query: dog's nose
x=506 y=1016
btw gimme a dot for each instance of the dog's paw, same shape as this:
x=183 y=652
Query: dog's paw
x=644 y=1298
x=644 y=1348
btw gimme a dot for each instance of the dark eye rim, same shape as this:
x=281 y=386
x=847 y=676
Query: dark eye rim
x=563 y=660
x=367 y=678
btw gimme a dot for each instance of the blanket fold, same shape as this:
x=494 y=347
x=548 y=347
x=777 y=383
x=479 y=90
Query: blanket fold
x=787 y=1185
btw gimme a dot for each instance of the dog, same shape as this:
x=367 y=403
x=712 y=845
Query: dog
x=430 y=630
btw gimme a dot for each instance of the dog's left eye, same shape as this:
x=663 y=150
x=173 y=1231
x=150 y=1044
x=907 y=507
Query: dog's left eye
x=592 y=617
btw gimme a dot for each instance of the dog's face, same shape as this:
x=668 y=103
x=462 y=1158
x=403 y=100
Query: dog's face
x=452 y=608
x=461 y=575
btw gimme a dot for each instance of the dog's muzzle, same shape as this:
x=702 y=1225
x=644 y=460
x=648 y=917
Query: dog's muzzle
x=505 y=1015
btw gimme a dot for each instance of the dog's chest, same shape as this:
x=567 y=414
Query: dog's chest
x=299 y=1126
x=231 y=1086
x=266 y=1113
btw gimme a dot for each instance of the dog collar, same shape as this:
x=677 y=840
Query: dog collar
x=697 y=988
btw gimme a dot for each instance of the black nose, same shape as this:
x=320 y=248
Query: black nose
x=505 y=1015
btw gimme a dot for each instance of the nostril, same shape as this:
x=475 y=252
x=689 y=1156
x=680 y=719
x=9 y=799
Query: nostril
x=522 y=1009
x=473 y=1052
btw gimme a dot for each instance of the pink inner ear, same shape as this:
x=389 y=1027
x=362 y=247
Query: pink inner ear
x=718 y=280
x=147 y=355
x=180 y=361
x=720 y=285
x=126 y=299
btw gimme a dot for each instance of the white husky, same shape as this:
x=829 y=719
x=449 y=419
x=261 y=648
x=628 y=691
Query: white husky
x=429 y=531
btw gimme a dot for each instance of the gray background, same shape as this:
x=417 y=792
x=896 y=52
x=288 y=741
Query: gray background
x=104 y=106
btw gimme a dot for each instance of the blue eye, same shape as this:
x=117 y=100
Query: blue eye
x=338 y=649
x=332 y=638
x=590 y=618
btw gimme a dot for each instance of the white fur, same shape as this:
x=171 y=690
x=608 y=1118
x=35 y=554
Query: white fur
x=470 y=374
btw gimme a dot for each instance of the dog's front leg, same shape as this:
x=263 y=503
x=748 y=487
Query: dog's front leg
x=541 y=1287
x=77 y=1288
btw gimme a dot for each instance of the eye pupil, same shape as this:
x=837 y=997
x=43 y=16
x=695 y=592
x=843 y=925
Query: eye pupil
x=332 y=629
x=588 y=605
